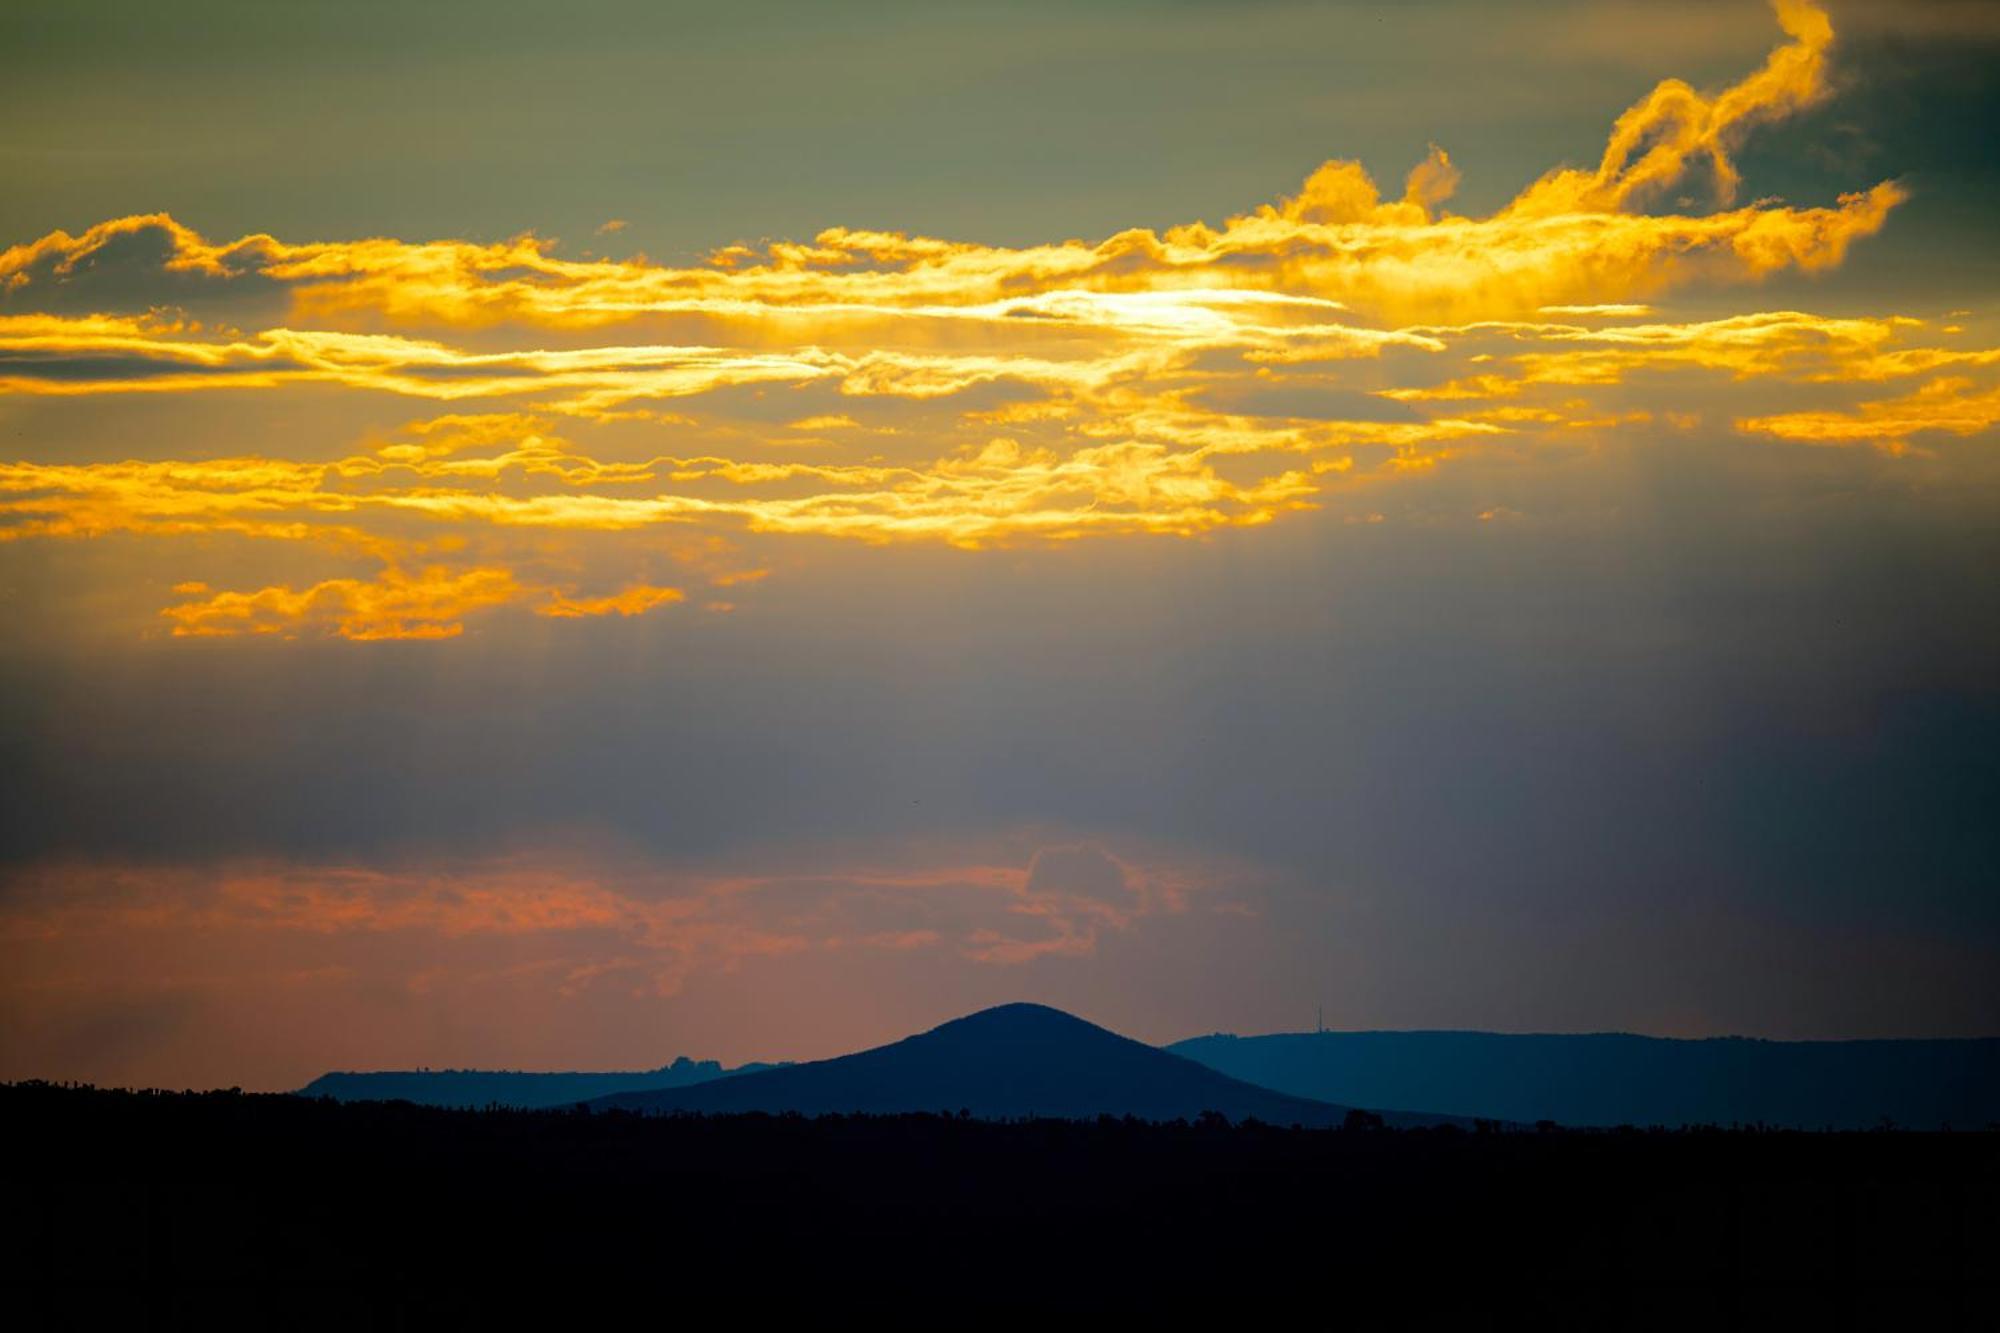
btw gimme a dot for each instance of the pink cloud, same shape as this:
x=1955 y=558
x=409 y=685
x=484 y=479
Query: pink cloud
x=316 y=960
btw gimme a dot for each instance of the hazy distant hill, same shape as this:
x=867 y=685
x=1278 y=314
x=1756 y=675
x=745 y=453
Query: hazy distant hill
x=478 y=1087
x=1013 y=1061
x=1615 y=1078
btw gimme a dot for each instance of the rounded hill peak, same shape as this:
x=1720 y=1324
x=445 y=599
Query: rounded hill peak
x=1018 y=1019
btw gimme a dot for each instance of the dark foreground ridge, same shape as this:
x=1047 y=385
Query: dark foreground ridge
x=1010 y=1062
x=200 y=1210
x=1617 y=1078
x=522 y=1089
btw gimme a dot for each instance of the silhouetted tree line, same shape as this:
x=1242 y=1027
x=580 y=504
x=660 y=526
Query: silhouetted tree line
x=191 y=1210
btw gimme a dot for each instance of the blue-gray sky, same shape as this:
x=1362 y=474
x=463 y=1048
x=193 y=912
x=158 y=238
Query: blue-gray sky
x=541 y=599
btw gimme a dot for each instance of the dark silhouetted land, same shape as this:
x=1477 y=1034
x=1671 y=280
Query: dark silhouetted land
x=1614 y=1078
x=270 y=1211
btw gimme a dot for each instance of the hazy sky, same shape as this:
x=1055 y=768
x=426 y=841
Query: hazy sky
x=560 y=536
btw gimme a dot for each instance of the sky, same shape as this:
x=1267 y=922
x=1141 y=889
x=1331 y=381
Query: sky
x=557 y=537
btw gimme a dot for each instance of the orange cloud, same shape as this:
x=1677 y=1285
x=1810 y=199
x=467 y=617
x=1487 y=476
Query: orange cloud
x=633 y=600
x=429 y=604
x=665 y=922
x=1953 y=406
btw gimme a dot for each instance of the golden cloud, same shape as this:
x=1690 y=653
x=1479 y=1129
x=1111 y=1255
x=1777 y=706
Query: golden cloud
x=882 y=387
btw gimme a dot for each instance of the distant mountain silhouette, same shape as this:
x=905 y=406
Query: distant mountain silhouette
x=1616 y=1078
x=1017 y=1060
x=477 y=1087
